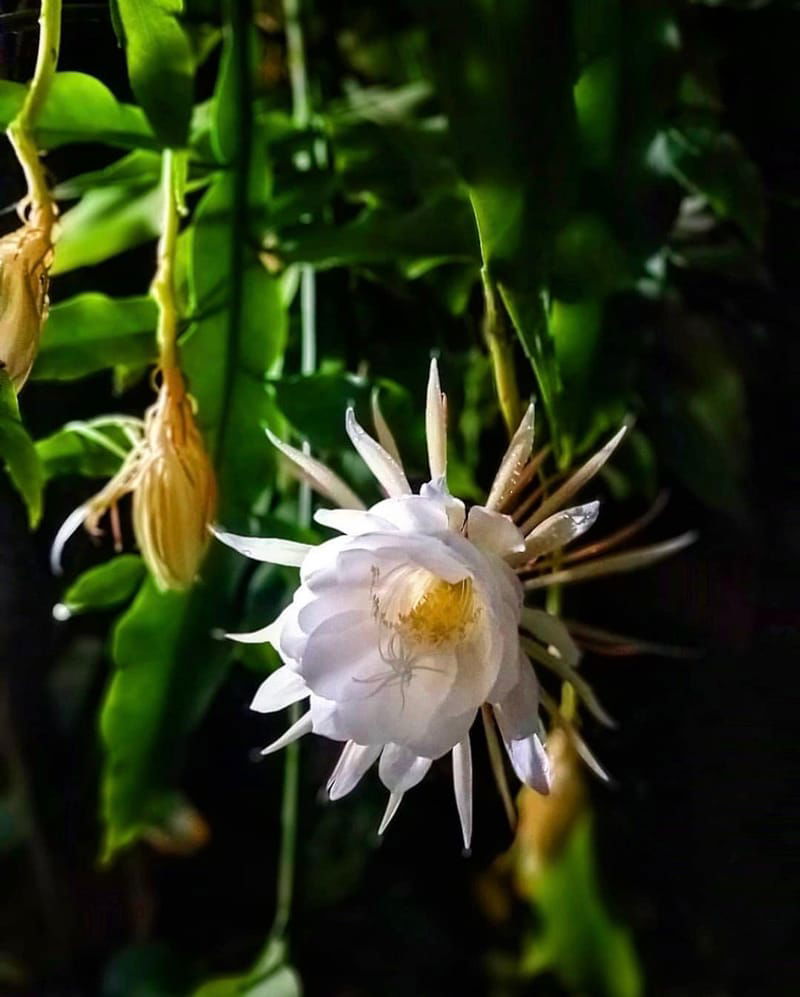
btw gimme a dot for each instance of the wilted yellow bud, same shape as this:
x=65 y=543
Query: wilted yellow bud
x=25 y=256
x=174 y=491
x=545 y=821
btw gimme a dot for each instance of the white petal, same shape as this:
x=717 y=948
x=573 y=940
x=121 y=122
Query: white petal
x=576 y=482
x=529 y=759
x=453 y=507
x=67 y=528
x=515 y=458
x=320 y=477
x=391 y=809
x=280 y=690
x=560 y=529
x=401 y=769
x=436 y=425
x=494 y=532
x=462 y=783
x=352 y=522
x=384 y=433
x=551 y=631
x=273 y=550
x=518 y=712
x=294 y=733
x=630 y=561
x=413 y=513
x=353 y=762
x=386 y=469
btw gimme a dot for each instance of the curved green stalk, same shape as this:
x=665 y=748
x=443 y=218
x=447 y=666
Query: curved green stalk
x=20 y=131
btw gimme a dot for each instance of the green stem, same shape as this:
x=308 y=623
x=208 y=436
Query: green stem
x=173 y=175
x=239 y=22
x=301 y=109
x=501 y=352
x=20 y=131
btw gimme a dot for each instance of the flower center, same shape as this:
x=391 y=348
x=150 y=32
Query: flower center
x=441 y=612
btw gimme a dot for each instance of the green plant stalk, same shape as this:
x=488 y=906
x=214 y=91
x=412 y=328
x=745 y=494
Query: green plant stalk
x=20 y=131
x=501 y=353
x=238 y=17
x=163 y=290
x=301 y=112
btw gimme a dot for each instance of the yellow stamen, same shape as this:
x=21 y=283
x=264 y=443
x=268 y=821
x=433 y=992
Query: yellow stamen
x=441 y=615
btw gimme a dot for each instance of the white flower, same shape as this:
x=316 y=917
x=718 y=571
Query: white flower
x=409 y=622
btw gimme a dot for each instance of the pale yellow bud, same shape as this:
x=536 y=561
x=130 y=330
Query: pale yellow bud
x=25 y=256
x=175 y=497
x=174 y=491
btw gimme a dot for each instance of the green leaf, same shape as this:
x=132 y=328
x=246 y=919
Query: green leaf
x=230 y=350
x=160 y=65
x=140 y=168
x=579 y=942
x=105 y=585
x=270 y=977
x=18 y=452
x=169 y=662
x=105 y=222
x=711 y=162
x=440 y=231
x=505 y=76
x=92 y=449
x=79 y=108
x=315 y=404
x=91 y=332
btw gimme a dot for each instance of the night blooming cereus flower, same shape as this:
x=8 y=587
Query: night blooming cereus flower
x=174 y=490
x=412 y=620
x=25 y=256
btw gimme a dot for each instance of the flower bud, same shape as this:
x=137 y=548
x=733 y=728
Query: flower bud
x=175 y=495
x=25 y=256
x=174 y=491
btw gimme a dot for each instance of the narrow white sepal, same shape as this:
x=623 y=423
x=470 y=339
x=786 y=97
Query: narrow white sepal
x=514 y=459
x=560 y=529
x=294 y=733
x=577 y=481
x=387 y=470
x=266 y=635
x=462 y=783
x=67 y=528
x=321 y=478
x=280 y=690
x=273 y=550
x=353 y=762
x=615 y=564
x=436 y=424
x=550 y=630
x=384 y=433
x=391 y=810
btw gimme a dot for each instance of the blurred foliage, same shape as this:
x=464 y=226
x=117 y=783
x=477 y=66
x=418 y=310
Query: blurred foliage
x=571 y=165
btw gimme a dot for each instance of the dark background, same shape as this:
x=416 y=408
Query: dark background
x=697 y=834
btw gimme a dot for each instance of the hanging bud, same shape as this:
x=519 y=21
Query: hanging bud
x=174 y=491
x=175 y=497
x=25 y=257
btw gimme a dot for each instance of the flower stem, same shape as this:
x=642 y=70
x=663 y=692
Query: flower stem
x=20 y=131
x=501 y=352
x=301 y=111
x=173 y=176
